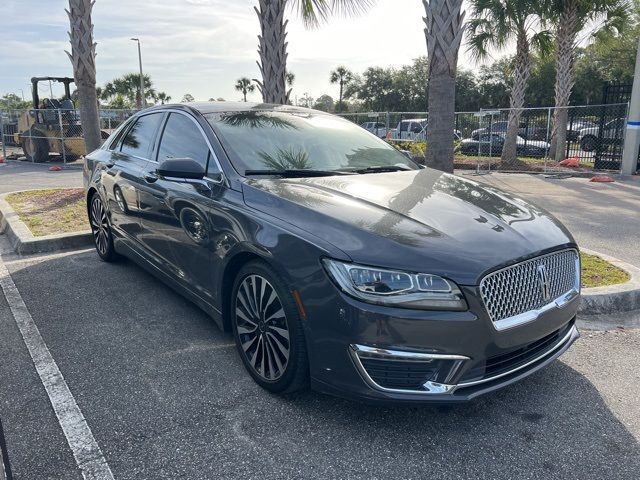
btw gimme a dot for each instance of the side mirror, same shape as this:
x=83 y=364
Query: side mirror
x=181 y=168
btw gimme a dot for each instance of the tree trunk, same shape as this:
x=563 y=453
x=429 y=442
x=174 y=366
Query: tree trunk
x=272 y=50
x=439 y=153
x=520 y=80
x=83 y=54
x=565 y=76
x=340 y=100
x=443 y=33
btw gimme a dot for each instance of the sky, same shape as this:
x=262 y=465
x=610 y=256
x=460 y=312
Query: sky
x=202 y=47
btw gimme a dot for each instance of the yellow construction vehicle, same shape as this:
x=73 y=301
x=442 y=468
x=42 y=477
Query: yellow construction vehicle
x=51 y=126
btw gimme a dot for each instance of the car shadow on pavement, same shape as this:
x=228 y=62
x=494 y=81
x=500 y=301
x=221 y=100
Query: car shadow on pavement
x=166 y=396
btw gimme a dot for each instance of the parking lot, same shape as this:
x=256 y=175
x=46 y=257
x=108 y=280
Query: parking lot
x=166 y=396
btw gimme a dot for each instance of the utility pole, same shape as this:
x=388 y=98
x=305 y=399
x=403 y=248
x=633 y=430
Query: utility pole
x=632 y=136
x=143 y=100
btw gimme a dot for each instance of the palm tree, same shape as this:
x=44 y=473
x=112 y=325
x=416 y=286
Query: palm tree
x=496 y=24
x=444 y=28
x=83 y=55
x=272 y=45
x=341 y=76
x=163 y=97
x=245 y=86
x=569 y=17
x=129 y=87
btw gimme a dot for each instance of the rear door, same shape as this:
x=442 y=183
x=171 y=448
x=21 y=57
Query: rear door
x=122 y=177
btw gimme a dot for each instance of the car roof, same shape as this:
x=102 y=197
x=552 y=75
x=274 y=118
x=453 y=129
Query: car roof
x=223 y=107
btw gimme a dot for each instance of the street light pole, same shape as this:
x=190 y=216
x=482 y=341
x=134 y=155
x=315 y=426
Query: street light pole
x=143 y=100
x=632 y=137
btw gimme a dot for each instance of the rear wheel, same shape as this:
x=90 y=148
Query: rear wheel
x=268 y=330
x=101 y=229
x=35 y=146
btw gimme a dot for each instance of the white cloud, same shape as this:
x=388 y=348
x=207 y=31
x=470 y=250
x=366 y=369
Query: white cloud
x=203 y=46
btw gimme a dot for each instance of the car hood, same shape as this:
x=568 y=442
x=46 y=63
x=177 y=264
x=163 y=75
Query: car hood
x=419 y=220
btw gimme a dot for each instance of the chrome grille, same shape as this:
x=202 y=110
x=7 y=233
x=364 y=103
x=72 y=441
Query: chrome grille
x=518 y=289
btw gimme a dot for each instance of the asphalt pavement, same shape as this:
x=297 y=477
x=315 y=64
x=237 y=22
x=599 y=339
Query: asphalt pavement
x=165 y=394
x=19 y=175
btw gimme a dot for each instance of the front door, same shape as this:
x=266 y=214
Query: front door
x=177 y=216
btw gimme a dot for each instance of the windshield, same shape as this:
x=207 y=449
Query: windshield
x=271 y=140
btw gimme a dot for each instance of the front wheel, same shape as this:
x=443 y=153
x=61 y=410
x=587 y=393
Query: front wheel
x=268 y=330
x=102 y=237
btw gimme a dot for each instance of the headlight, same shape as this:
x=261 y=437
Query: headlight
x=396 y=288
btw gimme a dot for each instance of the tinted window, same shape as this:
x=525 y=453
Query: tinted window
x=182 y=139
x=273 y=140
x=138 y=139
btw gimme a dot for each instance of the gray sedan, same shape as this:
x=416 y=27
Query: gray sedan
x=334 y=260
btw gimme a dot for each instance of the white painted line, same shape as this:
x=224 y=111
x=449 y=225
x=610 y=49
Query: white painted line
x=86 y=451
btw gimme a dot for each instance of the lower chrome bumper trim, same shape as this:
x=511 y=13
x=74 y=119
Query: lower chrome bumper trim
x=432 y=388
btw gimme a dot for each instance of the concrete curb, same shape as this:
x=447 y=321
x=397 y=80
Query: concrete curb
x=614 y=305
x=24 y=242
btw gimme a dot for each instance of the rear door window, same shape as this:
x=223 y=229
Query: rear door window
x=139 y=139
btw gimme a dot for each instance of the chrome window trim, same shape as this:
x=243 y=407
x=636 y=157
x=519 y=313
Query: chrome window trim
x=532 y=315
x=432 y=388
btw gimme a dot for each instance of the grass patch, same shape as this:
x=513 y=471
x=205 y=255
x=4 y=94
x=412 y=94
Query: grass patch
x=597 y=272
x=51 y=211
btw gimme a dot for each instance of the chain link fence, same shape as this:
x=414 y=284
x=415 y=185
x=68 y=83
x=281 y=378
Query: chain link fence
x=594 y=137
x=51 y=135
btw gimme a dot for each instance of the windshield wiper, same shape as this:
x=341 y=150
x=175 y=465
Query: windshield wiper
x=297 y=172
x=380 y=169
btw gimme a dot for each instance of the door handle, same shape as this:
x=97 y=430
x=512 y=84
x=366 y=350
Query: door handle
x=150 y=177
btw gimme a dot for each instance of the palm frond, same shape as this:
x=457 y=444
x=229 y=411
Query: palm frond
x=315 y=12
x=285 y=159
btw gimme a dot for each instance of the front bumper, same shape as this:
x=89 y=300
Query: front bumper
x=474 y=387
x=455 y=356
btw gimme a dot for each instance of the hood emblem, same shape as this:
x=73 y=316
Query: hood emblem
x=543 y=280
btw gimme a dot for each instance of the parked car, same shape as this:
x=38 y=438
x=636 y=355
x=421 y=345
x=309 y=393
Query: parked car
x=335 y=260
x=379 y=129
x=612 y=134
x=574 y=127
x=493 y=144
x=526 y=130
x=415 y=129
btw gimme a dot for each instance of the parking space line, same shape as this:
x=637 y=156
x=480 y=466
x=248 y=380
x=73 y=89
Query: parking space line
x=86 y=450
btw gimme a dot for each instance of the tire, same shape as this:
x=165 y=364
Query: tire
x=589 y=143
x=101 y=230
x=268 y=331
x=35 y=147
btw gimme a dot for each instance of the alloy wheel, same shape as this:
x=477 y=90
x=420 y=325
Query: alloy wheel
x=262 y=327
x=99 y=225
